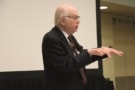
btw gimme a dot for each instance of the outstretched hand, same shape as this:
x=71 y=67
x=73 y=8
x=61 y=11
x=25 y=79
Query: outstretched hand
x=105 y=51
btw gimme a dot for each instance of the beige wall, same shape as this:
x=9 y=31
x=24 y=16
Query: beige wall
x=121 y=36
x=107 y=40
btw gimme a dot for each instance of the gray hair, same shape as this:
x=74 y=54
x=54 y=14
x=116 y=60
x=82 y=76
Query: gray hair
x=60 y=12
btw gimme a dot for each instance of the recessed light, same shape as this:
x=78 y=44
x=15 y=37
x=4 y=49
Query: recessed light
x=103 y=7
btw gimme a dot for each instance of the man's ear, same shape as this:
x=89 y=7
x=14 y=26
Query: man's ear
x=62 y=21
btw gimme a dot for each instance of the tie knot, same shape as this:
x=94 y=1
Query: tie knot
x=70 y=39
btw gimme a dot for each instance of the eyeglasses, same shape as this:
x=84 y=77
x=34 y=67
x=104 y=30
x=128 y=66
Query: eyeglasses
x=73 y=17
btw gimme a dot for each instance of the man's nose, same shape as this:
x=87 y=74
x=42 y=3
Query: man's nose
x=78 y=21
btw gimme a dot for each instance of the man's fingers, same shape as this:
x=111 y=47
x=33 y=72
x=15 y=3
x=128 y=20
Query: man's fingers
x=119 y=53
x=105 y=51
x=109 y=55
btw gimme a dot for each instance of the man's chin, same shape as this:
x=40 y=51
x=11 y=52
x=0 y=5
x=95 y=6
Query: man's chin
x=76 y=30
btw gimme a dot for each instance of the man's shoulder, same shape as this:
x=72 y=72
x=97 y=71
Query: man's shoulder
x=53 y=34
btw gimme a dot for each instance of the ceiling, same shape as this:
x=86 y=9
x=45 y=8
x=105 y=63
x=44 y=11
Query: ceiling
x=118 y=9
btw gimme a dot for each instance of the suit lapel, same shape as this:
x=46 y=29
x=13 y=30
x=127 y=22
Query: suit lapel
x=64 y=41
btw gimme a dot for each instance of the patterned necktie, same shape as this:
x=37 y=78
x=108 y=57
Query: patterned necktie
x=74 y=50
x=72 y=45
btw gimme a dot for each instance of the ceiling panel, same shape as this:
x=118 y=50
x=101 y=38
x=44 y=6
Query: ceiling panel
x=118 y=9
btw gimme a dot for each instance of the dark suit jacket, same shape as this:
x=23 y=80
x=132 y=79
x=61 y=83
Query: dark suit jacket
x=61 y=67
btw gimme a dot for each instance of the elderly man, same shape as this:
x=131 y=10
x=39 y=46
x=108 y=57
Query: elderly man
x=64 y=58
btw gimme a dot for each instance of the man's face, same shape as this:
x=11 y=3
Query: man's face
x=71 y=22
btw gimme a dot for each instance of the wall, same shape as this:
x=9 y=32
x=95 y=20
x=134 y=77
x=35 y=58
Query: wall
x=107 y=35
x=121 y=36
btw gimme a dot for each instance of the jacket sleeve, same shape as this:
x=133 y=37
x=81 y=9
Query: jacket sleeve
x=84 y=58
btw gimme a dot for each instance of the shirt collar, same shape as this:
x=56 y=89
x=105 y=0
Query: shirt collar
x=65 y=34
